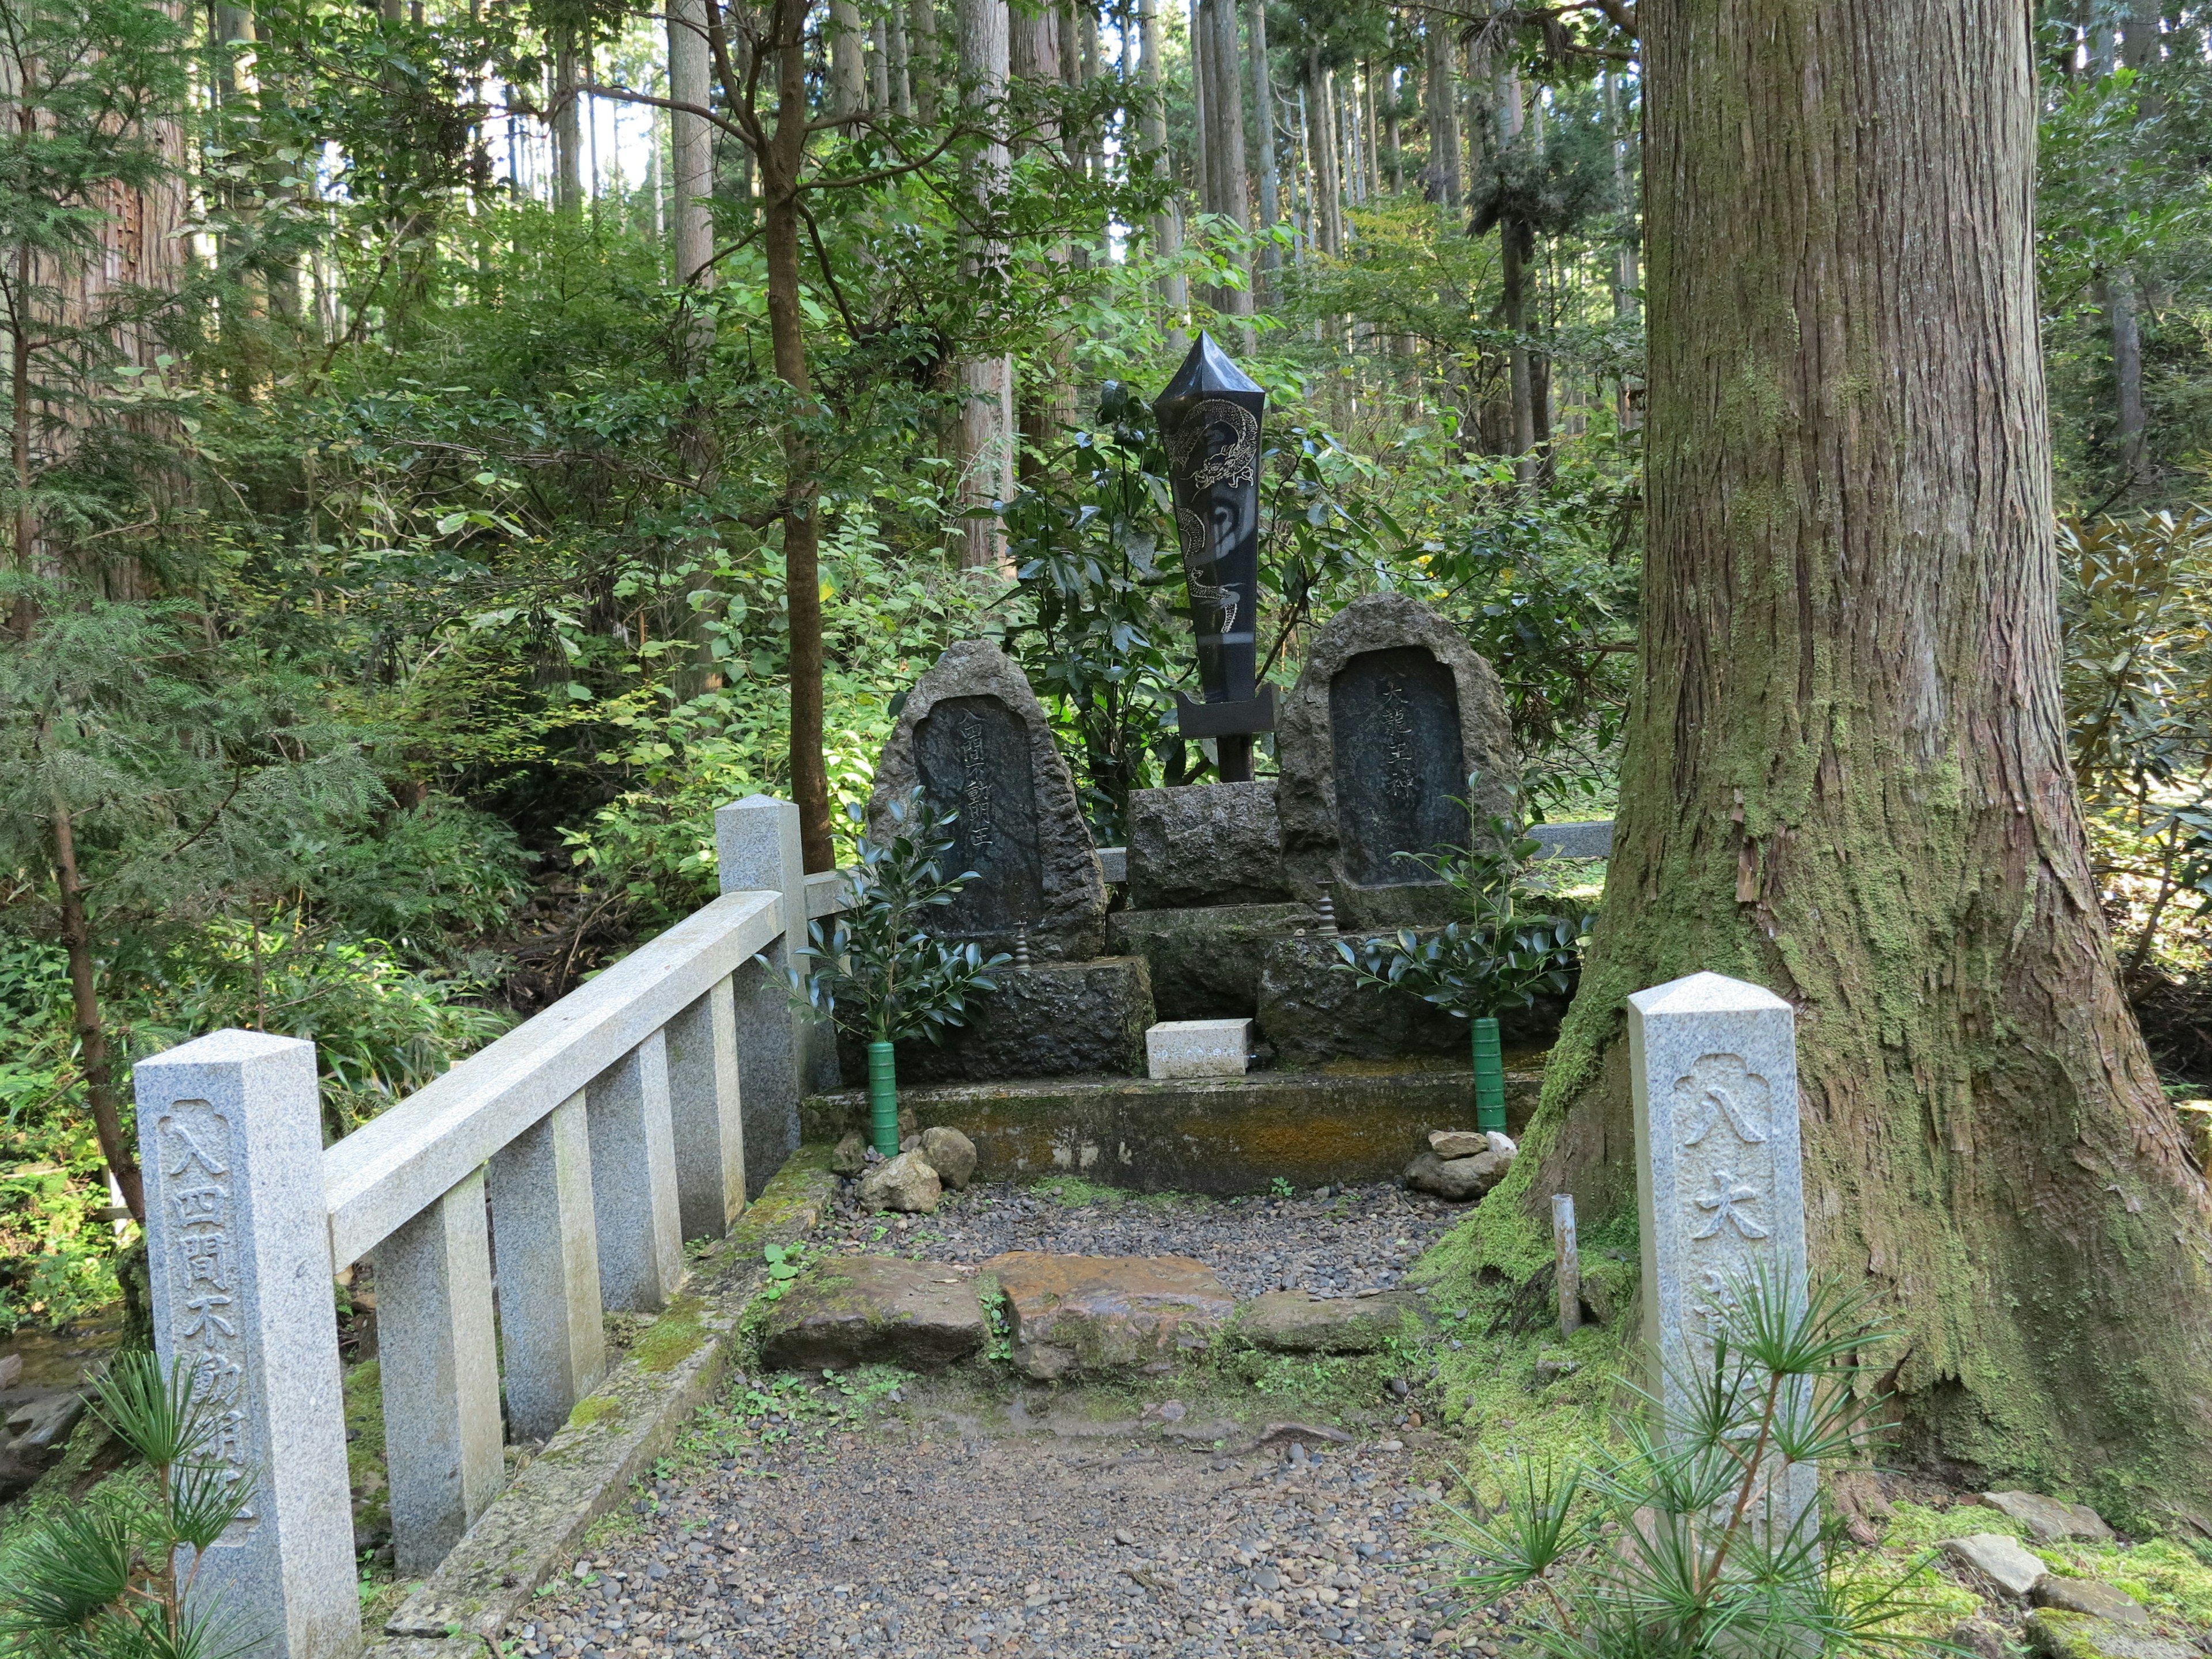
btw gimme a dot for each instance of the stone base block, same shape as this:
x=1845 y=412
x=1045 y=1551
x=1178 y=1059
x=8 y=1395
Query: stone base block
x=1223 y=1136
x=1204 y=962
x=874 y=1310
x=1312 y=1013
x=1085 y=1315
x=1058 y=1019
x=1290 y=1321
x=1198 y=1047
x=1205 y=843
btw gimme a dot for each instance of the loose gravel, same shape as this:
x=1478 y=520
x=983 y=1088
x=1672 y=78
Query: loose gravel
x=1352 y=1240
x=965 y=1521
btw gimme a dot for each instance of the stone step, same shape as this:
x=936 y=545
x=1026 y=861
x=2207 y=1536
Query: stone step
x=1218 y=1136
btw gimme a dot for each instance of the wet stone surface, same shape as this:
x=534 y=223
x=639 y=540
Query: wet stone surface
x=917 y=1540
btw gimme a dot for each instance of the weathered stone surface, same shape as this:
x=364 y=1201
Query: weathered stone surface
x=874 y=1310
x=951 y=1154
x=1448 y=1144
x=1220 y=1136
x=975 y=738
x=1981 y=1638
x=1092 y=1314
x=1999 y=1559
x=1391 y=713
x=1056 y=1019
x=1457 y=1179
x=2099 y=1601
x=2046 y=1519
x=1290 y=1321
x=1198 y=1047
x=1204 y=844
x=1713 y=1072
x=905 y=1182
x=2056 y=1635
x=851 y=1155
x=1312 y=1012
x=1589 y=839
x=1204 y=962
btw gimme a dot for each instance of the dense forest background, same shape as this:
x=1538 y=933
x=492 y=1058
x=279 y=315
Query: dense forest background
x=454 y=446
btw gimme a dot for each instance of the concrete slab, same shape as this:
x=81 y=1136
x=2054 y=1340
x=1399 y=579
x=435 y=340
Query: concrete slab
x=1198 y=1047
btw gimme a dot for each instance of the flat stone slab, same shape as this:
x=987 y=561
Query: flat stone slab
x=1999 y=1559
x=874 y=1310
x=1219 y=1136
x=1071 y=1315
x=1055 y=1019
x=1290 y=1321
x=2056 y=1635
x=1198 y=1047
x=2046 y=1519
x=2099 y=1601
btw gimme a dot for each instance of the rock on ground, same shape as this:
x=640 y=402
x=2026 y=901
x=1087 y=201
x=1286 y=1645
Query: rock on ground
x=2047 y=1520
x=860 y=1310
x=1457 y=1179
x=1448 y=1144
x=1073 y=1314
x=2080 y=1636
x=850 y=1156
x=1290 y=1321
x=1998 y=1558
x=905 y=1182
x=952 y=1154
x=2087 y=1596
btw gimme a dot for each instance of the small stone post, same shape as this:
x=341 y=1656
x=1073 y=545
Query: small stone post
x=710 y=1127
x=548 y=1269
x=758 y=846
x=1567 y=1255
x=1713 y=1064
x=239 y=1259
x=634 y=1196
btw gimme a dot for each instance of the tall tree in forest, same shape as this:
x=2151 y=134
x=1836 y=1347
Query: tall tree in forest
x=1846 y=774
x=1222 y=187
x=983 y=433
x=1152 y=147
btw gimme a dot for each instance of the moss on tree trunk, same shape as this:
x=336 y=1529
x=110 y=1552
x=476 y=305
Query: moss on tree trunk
x=1846 y=773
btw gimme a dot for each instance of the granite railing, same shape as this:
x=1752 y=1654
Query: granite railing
x=506 y=1206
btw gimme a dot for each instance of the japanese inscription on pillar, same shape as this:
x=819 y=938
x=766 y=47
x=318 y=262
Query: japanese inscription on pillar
x=1399 y=761
x=199 y=1161
x=973 y=754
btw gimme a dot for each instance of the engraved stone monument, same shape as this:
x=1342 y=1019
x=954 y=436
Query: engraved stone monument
x=975 y=738
x=1713 y=1063
x=1392 y=711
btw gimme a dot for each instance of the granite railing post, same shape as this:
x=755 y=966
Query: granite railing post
x=710 y=1128
x=757 y=845
x=238 y=1250
x=548 y=1251
x=634 y=1201
x=439 y=1366
x=1713 y=1068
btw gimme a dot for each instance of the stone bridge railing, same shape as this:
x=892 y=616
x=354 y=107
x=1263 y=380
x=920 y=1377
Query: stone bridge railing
x=506 y=1206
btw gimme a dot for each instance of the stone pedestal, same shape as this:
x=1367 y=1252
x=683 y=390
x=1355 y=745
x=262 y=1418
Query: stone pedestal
x=1312 y=1012
x=1056 y=1019
x=1204 y=844
x=1199 y=1047
x=1205 y=963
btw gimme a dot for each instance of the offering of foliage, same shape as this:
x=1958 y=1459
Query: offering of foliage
x=1496 y=959
x=1657 y=1539
x=105 y=1578
x=877 y=972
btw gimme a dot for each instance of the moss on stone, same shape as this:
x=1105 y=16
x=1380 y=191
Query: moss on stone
x=672 y=1338
x=593 y=1408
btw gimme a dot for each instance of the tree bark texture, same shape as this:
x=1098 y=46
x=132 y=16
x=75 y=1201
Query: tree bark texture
x=691 y=145
x=1225 y=134
x=1263 y=127
x=1846 y=776
x=983 y=439
x=1152 y=140
x=1442 y=180
x=1321 y=140
x=567 y=123
x=848 y=66
x=2128 y=418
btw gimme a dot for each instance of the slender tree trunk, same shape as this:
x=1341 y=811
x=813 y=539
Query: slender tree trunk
x=1224 y=120
x=691 y=143
x=984 y=436
x=848 y=69
x=901 y=62
x=1443 y=182
x=567 y=125
x=1152 y=140
x=22 y=423
x=1263 y=127
x=1846 y=775
x=1321 y=139
x=91 y=1028
x=2130 y=421
x=922 y=65
x=1039 y=54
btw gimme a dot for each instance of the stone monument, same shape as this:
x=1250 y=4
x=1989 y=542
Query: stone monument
x=1392 y=711
x=975 y=738
x=1713 y=1065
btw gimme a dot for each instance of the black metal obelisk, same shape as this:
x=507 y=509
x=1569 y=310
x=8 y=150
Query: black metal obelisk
x=1209 y=419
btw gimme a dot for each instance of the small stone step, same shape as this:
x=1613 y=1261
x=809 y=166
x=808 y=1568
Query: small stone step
x=2058 y=1635
x=1094 y=1314
x=866 y=1310
x=2087 y=1596
x=2046 y=1519
x=2000 y=1560
x=1290 y=1321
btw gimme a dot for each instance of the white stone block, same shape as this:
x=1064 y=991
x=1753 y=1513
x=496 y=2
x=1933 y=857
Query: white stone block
x=1713 y=1066
x=1198 y=1047
x=238 y=1250
x=757 y=846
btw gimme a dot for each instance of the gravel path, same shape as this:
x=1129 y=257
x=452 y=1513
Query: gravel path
x=1358 y=1239
x=967 y=1515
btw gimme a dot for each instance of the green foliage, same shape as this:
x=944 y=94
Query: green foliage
x=103 y=1579
x=1495 y=960
x=877 y=971
x=1658 y=1540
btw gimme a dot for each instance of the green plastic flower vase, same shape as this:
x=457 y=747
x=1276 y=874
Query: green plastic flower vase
x=1489 y=1077
x=882 y=1098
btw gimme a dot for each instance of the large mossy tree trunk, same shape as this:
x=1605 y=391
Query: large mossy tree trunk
x=1846 y=772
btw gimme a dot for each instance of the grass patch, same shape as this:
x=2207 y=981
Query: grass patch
x=672 y=1338
x=593 y=1408
x=2166 y=1577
